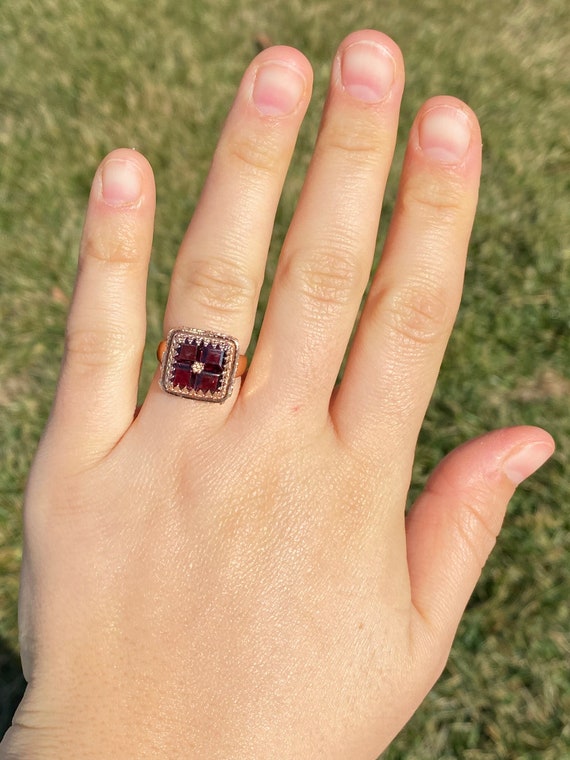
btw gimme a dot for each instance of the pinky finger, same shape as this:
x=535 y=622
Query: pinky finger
x=454 y=524
x=97 y=391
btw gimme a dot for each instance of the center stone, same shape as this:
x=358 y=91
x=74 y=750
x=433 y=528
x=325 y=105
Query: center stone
x=197 y=367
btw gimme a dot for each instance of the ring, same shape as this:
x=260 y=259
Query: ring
x=199 y=364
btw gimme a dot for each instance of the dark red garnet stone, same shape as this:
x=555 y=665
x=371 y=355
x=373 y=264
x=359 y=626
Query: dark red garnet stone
x=190 y=352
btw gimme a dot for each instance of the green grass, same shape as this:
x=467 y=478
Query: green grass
x=78 y=79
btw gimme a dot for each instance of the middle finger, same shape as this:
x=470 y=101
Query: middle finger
x=326 y=257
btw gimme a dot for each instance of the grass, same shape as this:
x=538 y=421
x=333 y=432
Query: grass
x=78 y=79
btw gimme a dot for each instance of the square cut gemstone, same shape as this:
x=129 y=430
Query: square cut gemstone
x=207 y=381
x=187 y=352
x=198 y=367
x=181 y=378
x=212 y=358
x=199 y=364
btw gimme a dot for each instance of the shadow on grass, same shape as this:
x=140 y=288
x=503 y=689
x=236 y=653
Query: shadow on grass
x=12 y=685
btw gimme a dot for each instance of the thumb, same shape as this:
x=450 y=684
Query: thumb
x=453 y=525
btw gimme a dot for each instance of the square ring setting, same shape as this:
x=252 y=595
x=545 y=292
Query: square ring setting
x=199 y=364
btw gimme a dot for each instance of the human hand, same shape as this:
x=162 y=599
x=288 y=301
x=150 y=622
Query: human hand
x=240 y=580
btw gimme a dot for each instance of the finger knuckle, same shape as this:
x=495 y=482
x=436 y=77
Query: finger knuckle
x=118 y=250
x=253 y=152
x=326 y=281
x=431 y=197
x=360 y=143
x=476 y=531
x=418 y=314
x=92 y=348
x=221 y=287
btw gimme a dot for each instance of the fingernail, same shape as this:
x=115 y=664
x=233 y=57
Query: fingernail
x=367 y=71
x=121 y=182
x=527 y=460
x=445 y=134
x=277 y=89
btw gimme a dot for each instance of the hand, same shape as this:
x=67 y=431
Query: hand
x=239 y=580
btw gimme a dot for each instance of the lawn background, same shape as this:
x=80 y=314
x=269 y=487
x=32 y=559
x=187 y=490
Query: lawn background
x=78 y=79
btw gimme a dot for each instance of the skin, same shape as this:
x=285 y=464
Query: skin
x=241 y=580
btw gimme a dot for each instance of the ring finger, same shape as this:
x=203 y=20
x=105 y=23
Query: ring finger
x=220 y=266
x=413 y=300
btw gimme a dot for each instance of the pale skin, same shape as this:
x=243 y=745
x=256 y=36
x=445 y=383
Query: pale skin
x=240 y=580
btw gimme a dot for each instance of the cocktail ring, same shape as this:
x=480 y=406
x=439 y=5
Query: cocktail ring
x=199 y=364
